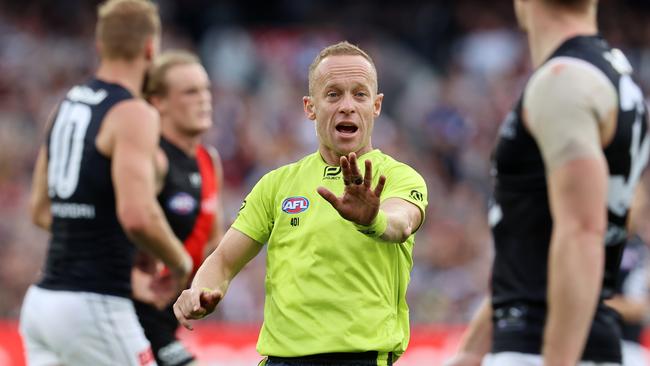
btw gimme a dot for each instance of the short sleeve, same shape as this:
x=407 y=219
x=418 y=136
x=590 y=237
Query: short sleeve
x=404 y=182
x=255 y=217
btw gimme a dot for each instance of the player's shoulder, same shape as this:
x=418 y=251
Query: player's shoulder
x=134 y=108
x=212 y=153
x=567 y=73
x=134 y=114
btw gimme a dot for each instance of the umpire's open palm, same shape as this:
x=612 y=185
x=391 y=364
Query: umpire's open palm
x=359 y=203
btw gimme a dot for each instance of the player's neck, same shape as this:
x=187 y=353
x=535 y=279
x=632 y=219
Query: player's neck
x=186 y=143
x=128 y=74
x=546 y=33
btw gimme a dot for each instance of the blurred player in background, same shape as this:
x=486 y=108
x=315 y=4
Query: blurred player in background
x=567 y=163
x=337 y=267
x=632 y=300
x=179 y=88
x=94 y=188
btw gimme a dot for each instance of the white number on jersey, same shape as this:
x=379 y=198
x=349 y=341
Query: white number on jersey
x=621 y=188
x=66 y=148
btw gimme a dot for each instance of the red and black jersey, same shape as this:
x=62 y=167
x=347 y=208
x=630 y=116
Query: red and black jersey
x=189 y=200
x=189 y=197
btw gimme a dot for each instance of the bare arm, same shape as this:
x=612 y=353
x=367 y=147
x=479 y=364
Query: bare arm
x=39 y=203
x=569 y=108
x=576 y=259
x=134 y=144
x=213 y=277
x=477 y=339
x=632 y=310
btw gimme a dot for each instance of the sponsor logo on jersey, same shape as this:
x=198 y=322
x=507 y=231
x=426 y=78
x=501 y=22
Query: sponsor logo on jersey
x=294 y=205
x=195 y=179
x=416 y=195
x=332 y=172
x=181 y=203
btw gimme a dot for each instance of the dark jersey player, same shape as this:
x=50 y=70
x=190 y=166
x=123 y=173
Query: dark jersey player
x=179 y=88
x=94 y=189
x=567 y=162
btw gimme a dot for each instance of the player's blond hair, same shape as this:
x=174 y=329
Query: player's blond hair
x=339 y=49
x=123 y=27
x=156 y=84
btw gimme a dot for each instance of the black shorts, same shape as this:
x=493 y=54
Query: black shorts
x=160 y=328
x=329 y=359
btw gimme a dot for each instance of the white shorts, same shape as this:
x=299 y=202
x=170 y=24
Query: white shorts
x=81 y=328
x=635 y=355
x=525 y=359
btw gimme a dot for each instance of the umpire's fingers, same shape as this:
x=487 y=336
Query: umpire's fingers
x=329 y=196
x=187 y=307
x=367 y=176
x=209 y=299
x=354 y=165
x=380 y=186
x=180 y=316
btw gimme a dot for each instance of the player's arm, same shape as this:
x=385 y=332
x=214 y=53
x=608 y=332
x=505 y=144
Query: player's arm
x=213 y=277
x=569 y=109
x=640 y=208
x=39 y=202
x=477 y=339
x=133 y=150
x=632 y=310
x=217 y=228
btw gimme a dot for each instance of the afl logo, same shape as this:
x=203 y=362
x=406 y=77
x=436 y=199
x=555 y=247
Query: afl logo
x=181 y=203
x=294 y=205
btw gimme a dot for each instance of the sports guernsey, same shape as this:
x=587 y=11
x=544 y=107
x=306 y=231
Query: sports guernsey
x=521 y=218
x=329 y=288
x=88 y=249
x=189 y=197
x=189 y=200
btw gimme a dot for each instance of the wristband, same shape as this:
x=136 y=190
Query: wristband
x=376 y=228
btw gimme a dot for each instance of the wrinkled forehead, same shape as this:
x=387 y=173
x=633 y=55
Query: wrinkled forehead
x=336 y=69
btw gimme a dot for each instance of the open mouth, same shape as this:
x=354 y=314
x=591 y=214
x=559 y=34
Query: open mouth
x=346 y=128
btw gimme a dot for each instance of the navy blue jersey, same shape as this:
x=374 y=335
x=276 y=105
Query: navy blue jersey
x=522 y=222
x=88 y=249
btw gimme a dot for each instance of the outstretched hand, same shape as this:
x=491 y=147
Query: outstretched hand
x=195 y=304
x=359 y=203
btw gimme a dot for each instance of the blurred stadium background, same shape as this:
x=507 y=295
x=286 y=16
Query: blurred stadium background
x=450 y=72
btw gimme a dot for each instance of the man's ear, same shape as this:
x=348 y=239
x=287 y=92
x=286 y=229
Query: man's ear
x=150 y=49
x=377 y=104
x=158 y=103
x=308 y=106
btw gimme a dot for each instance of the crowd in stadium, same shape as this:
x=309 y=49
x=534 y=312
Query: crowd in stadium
x=448 y=79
